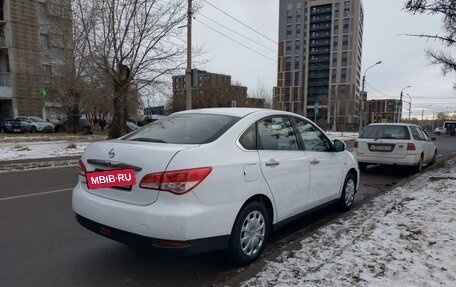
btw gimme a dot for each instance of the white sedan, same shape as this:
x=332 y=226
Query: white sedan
x=212 y=179
x=395 y=144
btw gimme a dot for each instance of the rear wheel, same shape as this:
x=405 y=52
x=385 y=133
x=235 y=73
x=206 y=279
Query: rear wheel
x=348 y=193
x=434 y=158
x=419 y=166
x=33 y=129
x=250 y=232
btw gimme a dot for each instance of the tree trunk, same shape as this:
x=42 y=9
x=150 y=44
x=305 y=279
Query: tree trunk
x=119 y=120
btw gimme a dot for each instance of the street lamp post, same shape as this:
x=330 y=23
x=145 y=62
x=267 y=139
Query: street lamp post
x=400 y=110
x=410 y=105
x=361 y=108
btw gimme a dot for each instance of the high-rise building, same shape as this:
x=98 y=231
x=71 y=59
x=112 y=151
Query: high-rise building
x=210 y=90
x=35 y=35
x=319 y=61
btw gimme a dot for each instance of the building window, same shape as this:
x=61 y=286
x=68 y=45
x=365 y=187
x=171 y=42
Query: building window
x=297 y=46
x=288 y=47
x=298 y=30
x=343 y=75
x=288 y=66
x=333 y=76
x=345 y=42
x=336 y=10
x=289 y=16
x=334 y=59
x=289 y=31
x=346 y=25
x=335 y=43
x=344 y=59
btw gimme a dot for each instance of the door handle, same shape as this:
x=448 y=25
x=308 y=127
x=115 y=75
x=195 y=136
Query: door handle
x=314 y=162
x=272 y=163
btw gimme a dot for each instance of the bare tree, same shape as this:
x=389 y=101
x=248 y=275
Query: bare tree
x=134 y=43
x=447 y=9
x=261 y=92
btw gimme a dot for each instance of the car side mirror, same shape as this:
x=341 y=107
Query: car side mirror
x=433 y=138
x=339 y=145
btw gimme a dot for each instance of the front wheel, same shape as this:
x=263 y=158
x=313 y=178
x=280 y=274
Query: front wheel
x=348 y=193
x=249 y=235
x=33 y=129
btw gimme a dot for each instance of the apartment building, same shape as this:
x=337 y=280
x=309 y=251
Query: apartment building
x=35 y=36
x=319 y=60
x=210 y=90
x=383 y=111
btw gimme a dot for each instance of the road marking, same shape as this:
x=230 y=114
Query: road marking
x=35 y=194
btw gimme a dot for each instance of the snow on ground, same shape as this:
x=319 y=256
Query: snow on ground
x=43 y=149
x=344 y=136
x=406 y=237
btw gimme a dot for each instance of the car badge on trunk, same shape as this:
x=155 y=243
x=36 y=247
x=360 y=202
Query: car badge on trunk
x=112 y=153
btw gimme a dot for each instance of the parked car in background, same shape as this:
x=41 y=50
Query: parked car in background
x=213 y=179
x=12 y=126
x=394 y=144
x=36 y=124
x=439 y=130
x=64 y=126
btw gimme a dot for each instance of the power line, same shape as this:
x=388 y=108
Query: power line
x=245 y=37
x=378 y=91
x=241 y=22
x=236 y=41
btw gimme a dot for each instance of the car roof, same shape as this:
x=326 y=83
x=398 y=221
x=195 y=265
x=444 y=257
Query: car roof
x=237 y=112
x=393 y=124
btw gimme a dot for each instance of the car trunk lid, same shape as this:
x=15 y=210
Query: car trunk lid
x=143 y=158
x=385 y=148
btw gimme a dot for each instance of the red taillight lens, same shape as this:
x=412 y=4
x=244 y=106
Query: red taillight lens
x=81 y=168
x=177 y=181
x=411 y=146
x=356 y=144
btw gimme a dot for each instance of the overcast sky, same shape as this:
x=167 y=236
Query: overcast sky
x=403 y=58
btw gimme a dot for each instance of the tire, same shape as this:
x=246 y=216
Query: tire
x=348 y=193
x=245 y=247
x=434 y=158
x=362 y=166
x=33 y=129
x=419 y=166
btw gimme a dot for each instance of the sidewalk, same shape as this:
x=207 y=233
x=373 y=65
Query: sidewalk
x=406 y=237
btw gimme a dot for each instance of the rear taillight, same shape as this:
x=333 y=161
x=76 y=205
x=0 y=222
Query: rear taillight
x=411 y=146
x=177 y=181
x=356 y=144
x=81 y=168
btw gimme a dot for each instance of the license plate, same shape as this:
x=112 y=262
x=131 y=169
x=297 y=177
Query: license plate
x=116 y=178
x=381 y=147
x=17 y=130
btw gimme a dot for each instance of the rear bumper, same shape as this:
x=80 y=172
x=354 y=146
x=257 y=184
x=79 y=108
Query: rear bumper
x=153 y=244
x=171 y=217
x=408 y=160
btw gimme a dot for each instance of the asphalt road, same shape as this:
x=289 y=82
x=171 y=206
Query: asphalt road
x=42 y=245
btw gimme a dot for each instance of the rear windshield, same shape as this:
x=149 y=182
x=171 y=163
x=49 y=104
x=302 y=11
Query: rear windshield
x=386 y=132
x=184 y=129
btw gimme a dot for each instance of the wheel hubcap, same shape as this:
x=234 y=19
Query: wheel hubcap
x=349 y=192
x=252 y=233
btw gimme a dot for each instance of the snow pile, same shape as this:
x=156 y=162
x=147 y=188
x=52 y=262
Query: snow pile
x=344 y=136
x=34 y=150
x=406 y=237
